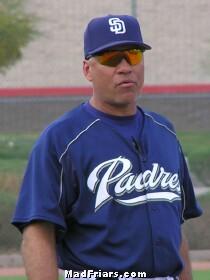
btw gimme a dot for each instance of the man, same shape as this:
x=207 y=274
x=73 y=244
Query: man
x=107 y=187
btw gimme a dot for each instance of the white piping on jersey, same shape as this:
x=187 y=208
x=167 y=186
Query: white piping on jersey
x=72 y=141
x=163 y=125
x=184 y=205
x=65 y=151
x=61 y=185
x=184 y=202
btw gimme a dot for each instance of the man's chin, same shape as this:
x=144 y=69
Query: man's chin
x=127 y=98
x=123 y=103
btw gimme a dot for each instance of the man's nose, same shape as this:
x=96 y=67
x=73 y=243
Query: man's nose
x=124 y=66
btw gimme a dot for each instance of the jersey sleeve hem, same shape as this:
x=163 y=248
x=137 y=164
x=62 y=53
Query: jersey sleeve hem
x=20 y=223
x=190 y=214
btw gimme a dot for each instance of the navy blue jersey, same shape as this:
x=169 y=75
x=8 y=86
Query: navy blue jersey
x=117 y=204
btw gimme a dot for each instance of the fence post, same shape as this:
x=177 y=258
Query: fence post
x=134 y=8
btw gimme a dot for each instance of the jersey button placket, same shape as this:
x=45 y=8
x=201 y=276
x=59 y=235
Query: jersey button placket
x=153 y=213
x=154 y=208
x=158 y=242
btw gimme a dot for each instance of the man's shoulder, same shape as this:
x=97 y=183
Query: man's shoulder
x=65 y=128
x=73 y=120
x=159 y=120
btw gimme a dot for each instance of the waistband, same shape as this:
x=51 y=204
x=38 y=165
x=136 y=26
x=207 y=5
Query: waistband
x=131 y=278
x=124 y=278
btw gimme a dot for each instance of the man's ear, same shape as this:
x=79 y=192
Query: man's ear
x=87 y=70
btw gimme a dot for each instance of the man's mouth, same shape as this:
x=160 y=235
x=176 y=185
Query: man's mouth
x=126 y=83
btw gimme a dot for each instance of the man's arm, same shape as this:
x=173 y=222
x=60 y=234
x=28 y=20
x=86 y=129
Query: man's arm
x=38 y=250
x=186 y=273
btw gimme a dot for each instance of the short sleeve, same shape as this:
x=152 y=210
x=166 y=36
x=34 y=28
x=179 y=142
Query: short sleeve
x=40 y=191
x=191 y=207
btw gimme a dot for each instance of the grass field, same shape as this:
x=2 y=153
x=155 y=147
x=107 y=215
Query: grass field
x=197 y=275
x=196 y=147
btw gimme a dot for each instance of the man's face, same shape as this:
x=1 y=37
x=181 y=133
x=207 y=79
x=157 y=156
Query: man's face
x=115 y=88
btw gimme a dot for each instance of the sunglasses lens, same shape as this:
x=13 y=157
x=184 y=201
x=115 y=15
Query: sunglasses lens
x=113 y=58
x=135 y=56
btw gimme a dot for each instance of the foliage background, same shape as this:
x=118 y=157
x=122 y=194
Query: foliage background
x=16 y=30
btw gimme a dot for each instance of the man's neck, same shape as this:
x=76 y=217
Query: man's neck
x=114 y=109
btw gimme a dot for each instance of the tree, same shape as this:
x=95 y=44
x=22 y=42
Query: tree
x=16 y=30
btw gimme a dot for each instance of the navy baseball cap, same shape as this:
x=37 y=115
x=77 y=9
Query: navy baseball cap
x=103 y=33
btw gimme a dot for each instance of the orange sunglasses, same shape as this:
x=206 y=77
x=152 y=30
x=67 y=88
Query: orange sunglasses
x=113 y=58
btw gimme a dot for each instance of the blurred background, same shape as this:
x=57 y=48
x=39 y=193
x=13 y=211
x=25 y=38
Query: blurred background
x=41 y=54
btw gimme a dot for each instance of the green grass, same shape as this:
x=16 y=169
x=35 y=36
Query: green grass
x=12 y=278
x=201 y=275
x=14 y=151
x=9 y=237
x=197 y=275
x=197 y=230
x=196 y=146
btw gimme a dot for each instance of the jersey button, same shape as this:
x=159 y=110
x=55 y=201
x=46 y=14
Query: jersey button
x=154 y=208
x=158 y=242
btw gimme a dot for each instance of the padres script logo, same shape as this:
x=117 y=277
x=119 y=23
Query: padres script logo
x=117 y=26
x=127 y=182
